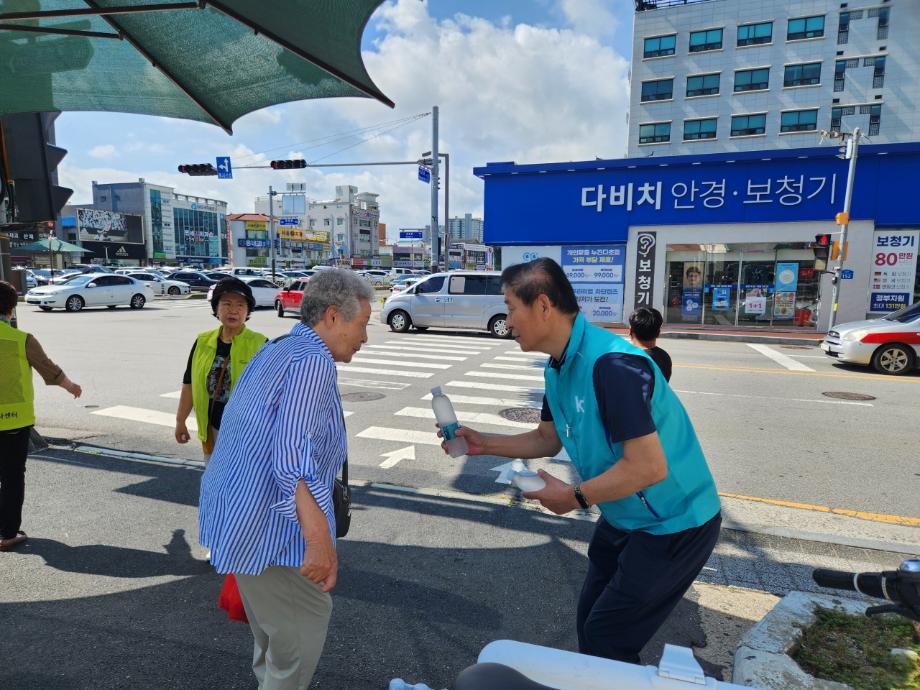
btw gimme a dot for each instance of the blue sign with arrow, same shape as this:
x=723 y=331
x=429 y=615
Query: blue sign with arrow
x=289 y=221
x=224 y=168
x=424 y=174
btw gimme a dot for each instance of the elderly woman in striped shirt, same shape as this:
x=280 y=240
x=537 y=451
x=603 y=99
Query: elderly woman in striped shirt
x=266 y=509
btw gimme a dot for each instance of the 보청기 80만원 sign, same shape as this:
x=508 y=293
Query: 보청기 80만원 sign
x=894 y=269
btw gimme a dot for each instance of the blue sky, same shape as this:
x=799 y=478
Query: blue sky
x=525 y=80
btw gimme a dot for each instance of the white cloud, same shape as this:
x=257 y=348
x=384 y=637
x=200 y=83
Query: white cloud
x=591 y=17
x=103 y=151
x=506 y=92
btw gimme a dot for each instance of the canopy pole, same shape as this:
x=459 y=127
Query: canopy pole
x=95 y=11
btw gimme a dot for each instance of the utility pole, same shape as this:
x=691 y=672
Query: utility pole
x=843 y=219
x=435 y=231
x=271 y=226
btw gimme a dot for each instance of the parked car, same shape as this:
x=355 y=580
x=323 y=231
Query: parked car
x=43 y=275
x=218 y=275
x=61 y=277
x=403 y=283
x=92 y=290
x=459 y=299
x=195 y=279
x=395 y=273
x=30 y=279
x=890 y=345
x=375 y=276
x=288 y=299
x=263 y=290
x=161 y=285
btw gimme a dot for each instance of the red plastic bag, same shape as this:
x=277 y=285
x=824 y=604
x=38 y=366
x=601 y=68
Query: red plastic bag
x=230 y=600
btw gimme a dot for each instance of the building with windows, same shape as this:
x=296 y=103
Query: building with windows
x=730 y=75
x=342 y=230
x=719 y=240
x=466 y=229
x=179 y=228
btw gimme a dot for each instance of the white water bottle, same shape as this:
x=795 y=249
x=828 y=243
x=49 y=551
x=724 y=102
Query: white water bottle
x=447 y=420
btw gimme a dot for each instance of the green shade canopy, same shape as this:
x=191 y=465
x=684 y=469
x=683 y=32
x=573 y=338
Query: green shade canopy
x=52 y=245
x=207 y=61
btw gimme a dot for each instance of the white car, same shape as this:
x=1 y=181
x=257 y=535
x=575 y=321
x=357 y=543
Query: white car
x=92 y=290
x=161 y=285
x=890 y=345
x=264 y=291
x=375 y=276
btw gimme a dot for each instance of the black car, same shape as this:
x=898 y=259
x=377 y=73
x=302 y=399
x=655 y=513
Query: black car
x=196 y=279
x=218 y=275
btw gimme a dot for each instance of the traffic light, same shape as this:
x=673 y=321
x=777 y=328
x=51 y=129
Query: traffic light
x=29 y=170
x=198 y=169
x=289 y=165
x=821 y=248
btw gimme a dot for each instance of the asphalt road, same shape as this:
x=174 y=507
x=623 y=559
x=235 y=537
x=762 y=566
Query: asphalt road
x=762 y=414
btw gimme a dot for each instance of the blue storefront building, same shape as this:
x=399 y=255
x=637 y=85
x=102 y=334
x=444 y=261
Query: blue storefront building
x=719 y=240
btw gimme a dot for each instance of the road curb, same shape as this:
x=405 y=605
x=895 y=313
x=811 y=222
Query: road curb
x=742 y=338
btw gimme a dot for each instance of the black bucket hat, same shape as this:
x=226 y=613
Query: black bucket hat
x=235 y=286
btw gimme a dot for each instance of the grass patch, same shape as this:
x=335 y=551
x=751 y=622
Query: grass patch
x=856 y=650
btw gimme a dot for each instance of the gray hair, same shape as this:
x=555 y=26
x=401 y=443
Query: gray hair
x=333 y=287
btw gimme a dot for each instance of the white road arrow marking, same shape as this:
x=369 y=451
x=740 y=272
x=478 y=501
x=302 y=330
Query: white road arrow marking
x=394 y=456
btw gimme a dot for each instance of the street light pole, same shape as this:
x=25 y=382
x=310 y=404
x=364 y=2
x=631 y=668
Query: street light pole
x=435 y=231
x=852 y=148
x=271 y=226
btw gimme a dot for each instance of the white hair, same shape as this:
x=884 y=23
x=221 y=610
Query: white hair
x=333 y=287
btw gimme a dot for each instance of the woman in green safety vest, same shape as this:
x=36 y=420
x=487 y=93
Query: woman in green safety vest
x=19 y=354
x=216 y=363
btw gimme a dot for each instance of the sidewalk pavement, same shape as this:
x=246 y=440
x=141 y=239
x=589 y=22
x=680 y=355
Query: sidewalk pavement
x=765 y=336
x=113 y=591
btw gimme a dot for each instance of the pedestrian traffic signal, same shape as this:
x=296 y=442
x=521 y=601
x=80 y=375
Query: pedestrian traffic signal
x=28 y=171
x=821 y=249
x=198 y=169
x=289 y=165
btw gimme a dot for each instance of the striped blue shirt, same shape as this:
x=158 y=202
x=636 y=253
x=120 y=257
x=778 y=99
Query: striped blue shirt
x=282 y=424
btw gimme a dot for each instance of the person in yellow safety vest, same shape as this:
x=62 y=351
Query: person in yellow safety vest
x=19 y=354
x=216 y=363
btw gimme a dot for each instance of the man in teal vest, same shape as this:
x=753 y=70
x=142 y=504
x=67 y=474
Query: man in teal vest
x=608 y=404
x=20 y=352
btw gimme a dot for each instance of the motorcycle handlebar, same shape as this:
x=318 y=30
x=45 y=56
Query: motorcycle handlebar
x=872 y=584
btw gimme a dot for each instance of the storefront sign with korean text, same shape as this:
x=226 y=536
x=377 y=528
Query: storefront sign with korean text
x=596 y=274
x=894 y=269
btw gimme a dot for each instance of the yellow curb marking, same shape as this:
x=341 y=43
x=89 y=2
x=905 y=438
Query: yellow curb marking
x=751 y=370
x=873 y=517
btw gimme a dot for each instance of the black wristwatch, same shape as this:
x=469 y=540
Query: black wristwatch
x=580 y=497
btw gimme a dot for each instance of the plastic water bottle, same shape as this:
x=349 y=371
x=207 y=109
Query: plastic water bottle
x=447 y=420
x=528 y=480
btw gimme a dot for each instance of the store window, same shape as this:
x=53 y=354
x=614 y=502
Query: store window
x=746 y=284
x=659 y=46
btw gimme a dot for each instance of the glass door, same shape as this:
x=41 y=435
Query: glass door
x=720 y=291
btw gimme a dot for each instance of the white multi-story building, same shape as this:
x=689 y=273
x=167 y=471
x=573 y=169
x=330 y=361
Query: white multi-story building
x=347 y=225
x=736 y=75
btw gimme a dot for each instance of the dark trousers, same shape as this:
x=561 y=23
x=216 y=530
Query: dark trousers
x=14 y=447
x=634 y=581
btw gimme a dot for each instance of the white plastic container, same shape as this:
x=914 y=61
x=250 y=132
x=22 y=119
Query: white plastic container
x=447 y=420
x=527 y=480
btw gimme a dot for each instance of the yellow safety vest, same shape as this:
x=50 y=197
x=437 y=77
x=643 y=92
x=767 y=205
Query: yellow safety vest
x=17 y=399
x=243 y=347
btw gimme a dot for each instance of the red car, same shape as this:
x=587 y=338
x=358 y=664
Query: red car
x=288 y=299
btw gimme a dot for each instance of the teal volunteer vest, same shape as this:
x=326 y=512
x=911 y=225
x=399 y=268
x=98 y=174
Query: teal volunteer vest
x=687 y=497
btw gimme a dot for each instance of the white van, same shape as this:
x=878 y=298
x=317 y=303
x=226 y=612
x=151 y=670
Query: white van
x=400 y=272
x=458 y=299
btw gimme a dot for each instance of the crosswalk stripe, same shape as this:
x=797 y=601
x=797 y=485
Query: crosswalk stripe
x=382 y=433
x=486 y=342
x=779 y=358
x=359 y=359
x=376 y=350
x=459 y=350
x=497 y=375
x=517 y=367
x=535 y=360
x=171 y=394
x=463 y=416
x=497 y=402
x=140 y=414
x=348 y=369
x=494 y=387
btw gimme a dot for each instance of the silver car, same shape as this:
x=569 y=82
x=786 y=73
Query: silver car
x=471 y=300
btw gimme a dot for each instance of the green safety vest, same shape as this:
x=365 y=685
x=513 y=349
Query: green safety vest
x=243 y=347
x=17 y=399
